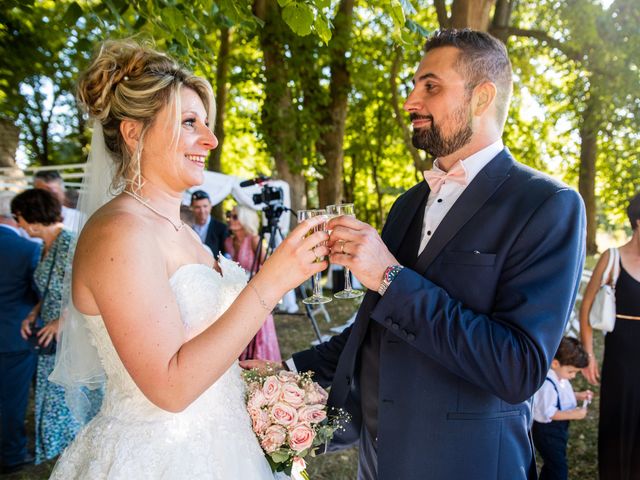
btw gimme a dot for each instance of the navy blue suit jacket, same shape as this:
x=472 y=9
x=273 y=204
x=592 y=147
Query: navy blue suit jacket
x=470 y=332
x=216 y=234
x=19 y=258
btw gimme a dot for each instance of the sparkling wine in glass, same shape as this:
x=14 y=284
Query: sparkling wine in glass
x=335 y=211
x=316 y=297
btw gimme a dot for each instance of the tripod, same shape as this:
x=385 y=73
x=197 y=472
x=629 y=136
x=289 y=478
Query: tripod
x=273 y=213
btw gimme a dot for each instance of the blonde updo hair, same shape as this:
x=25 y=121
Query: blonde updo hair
x=127 y=80
x=248 y=218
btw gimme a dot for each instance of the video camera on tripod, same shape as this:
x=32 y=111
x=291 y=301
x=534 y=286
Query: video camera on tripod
x=272 y=197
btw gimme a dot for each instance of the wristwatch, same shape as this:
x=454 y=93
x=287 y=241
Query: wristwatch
x=389 y=275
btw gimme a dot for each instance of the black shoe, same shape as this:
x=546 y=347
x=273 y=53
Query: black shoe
x=7 y=469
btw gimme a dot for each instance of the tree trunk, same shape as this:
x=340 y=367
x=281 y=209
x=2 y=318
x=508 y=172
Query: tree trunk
x=277 y=111
x=222 y=73
x=471 y=14
x=419 y=162
x=501 y=20
x=330 y=143
x=587 y=174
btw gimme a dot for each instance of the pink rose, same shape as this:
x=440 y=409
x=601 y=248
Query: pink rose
x=284 y=414
x=315 y=394
x=312 y=414
x=271 y=389
x=257 y=399
x=273 y=438
x=292 y=394
x=260 y=421
x=301 y=437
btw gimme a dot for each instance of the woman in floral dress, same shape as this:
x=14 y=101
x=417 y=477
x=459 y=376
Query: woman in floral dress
x=39 y=213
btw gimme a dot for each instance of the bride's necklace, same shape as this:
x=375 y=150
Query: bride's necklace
x=144 y=202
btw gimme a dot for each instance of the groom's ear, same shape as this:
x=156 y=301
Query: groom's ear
x=130 y=131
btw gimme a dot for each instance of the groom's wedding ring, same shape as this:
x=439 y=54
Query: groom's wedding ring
x=315 y=254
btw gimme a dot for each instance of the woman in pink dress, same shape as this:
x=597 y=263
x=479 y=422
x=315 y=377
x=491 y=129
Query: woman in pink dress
x=244 y=225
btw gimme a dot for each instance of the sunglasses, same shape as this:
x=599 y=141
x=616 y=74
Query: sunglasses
x=231 y=216
x=15 y=216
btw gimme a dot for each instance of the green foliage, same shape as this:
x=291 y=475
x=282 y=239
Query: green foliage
x=47 y=42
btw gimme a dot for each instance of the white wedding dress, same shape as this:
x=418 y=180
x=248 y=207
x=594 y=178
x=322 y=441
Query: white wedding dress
x=131 y=438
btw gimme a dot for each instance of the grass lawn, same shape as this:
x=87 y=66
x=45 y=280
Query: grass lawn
x=295 y=333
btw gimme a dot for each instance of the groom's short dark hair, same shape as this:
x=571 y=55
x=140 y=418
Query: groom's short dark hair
x=482 y=58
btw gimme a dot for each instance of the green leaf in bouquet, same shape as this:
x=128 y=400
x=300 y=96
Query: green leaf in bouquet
x=279 y=456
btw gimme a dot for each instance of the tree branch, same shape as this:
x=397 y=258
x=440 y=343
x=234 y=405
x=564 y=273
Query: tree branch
x=543 y=37
x=441 y=12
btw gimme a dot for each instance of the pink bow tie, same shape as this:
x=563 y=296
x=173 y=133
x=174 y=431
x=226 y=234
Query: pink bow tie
x=436 y=177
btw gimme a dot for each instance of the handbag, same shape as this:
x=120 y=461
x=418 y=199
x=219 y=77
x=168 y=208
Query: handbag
x=33 y=338
x=602 y=315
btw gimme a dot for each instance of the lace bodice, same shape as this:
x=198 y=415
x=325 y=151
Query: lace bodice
x=211 y=438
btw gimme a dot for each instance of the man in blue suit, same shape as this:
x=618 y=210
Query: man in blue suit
x=470 y=286
x=19 y=258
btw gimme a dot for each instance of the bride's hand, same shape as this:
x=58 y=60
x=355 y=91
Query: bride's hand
x=263 y=366
x=299 y=256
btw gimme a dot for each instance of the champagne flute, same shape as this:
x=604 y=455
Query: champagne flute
x=348 y=292
x=317 y=297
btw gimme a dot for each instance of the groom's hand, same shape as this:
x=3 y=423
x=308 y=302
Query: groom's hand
x=358 y=246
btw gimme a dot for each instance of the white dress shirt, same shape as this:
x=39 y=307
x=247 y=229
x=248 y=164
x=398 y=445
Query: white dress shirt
x=545 y=400
x=439 y=204
x=71 y=218
x=201 y=230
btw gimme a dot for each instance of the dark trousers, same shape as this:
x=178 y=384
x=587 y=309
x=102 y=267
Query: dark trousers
x=367 y=457
x=16 y=374
x=550 y=439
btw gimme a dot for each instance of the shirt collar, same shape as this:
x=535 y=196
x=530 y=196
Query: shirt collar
x=477 y=161
x=204 y=226
x=13 y=229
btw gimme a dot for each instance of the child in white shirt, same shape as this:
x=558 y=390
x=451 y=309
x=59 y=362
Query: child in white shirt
x=555 y=404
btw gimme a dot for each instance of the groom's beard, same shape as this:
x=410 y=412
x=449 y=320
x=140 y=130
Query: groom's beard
x=432 y=140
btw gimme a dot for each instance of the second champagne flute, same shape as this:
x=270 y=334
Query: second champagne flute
x=348 y=292
x=316 y=297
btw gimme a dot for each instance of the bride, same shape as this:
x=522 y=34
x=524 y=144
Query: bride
x=167 y=322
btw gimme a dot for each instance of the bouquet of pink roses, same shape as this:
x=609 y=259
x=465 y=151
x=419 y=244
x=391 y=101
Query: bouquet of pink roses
x=289 y=415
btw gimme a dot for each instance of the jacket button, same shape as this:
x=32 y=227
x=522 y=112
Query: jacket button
x=388 y=321
x=395 y=326
x=411 y=337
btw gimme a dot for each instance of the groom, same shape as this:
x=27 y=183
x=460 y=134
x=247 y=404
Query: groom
x=470 y=287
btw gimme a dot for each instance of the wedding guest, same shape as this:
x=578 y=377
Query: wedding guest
x=554 y=405
x=619 y=419
x=39 y=213
x=469 y=285
x=244 y=225
x=18 y=258
x=211 y=231
x=51 y=181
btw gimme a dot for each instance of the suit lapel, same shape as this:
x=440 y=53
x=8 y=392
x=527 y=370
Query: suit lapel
x=472 y=199
x=396 y=227
x=395 y=230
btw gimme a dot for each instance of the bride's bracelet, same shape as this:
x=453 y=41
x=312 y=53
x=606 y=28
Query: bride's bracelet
x=262 y=302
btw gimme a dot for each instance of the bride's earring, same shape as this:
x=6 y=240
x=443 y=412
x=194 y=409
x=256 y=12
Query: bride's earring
x=138 y=181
